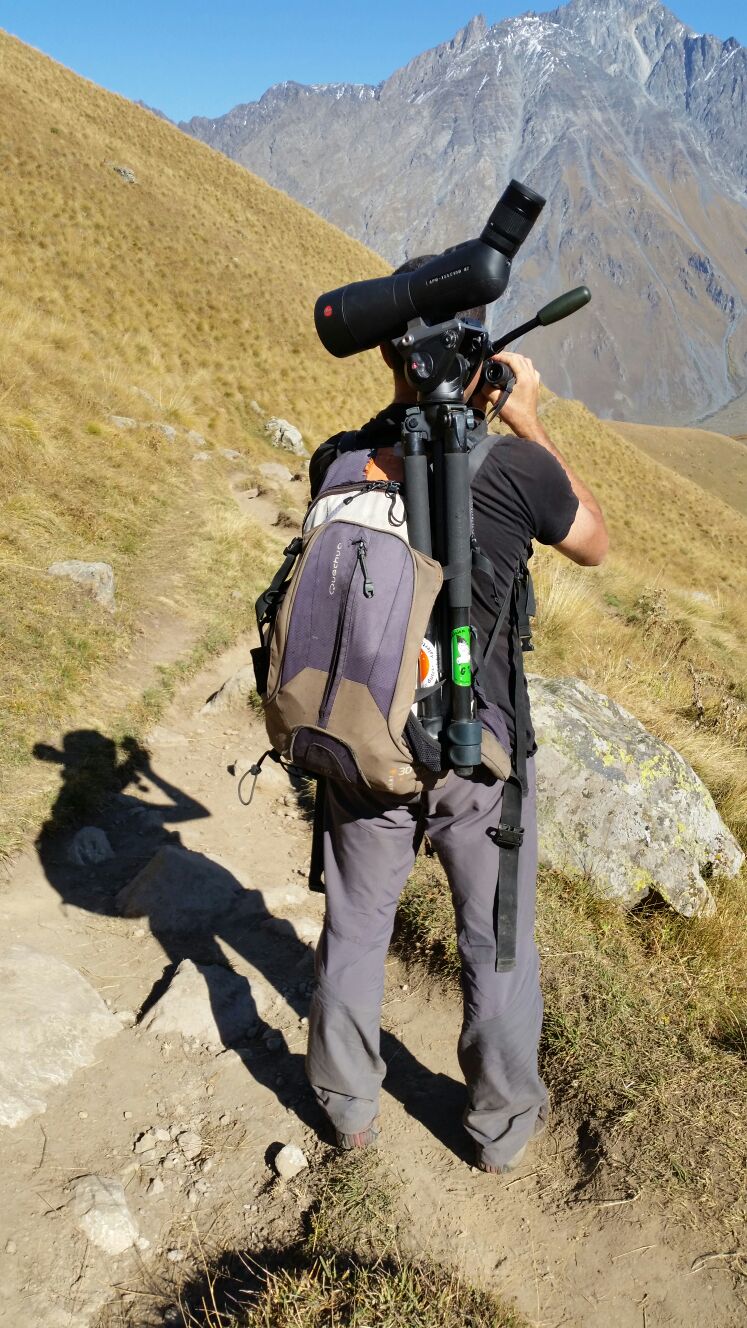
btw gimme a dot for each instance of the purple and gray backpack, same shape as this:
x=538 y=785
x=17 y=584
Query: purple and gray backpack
x=343 y=658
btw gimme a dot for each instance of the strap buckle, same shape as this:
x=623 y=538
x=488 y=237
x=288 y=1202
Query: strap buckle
x=508 y=836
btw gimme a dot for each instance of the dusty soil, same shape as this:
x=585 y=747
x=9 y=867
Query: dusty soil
x=565 y=1253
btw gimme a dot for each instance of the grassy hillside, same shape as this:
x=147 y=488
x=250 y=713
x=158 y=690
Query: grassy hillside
x=177 y=299
x=714 y=461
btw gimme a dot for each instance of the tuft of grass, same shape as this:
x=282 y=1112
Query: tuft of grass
x=346 y=1273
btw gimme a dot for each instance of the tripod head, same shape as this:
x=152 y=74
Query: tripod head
x=440 y=360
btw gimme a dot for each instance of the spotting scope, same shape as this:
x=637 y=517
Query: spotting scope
x=362 y=314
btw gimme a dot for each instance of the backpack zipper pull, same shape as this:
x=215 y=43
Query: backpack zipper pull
x=368 y=586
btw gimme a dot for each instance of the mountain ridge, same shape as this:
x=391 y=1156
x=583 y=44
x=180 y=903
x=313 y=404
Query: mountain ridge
x=641 y=204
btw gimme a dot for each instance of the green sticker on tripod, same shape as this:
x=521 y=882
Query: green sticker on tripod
x=461 y=657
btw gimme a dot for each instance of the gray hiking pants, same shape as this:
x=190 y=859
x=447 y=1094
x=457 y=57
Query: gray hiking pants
x=369 y=850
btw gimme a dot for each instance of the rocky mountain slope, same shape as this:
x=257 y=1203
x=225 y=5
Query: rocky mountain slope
x=629 y=123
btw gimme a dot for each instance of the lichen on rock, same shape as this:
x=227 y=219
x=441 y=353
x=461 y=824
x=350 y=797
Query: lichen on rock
x=620 y=806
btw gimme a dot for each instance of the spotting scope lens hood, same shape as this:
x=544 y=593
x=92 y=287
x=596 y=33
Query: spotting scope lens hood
x=362 y=314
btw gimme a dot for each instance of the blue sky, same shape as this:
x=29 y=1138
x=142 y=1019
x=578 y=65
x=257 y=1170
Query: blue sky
x=190 y=57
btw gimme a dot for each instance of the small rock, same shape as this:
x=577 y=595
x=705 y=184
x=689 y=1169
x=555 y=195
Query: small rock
x=250 y=493
x=174 y=1256
x=146 y=396
x=225 y=1119
x=82 y=1115
x=179 y=891
x=145 y=1143
x=193 y=1195
x=285 y=435
x=256 y=407
x=230 y=453
x=127 y=1018
x=89 y=846
x=190 y=1143
x=122 y=422
x=202 y=456
x=211 y=1004
x=290 y=1161
x=127 y=174
x=127 y=1115
x=11 y=1247
x=102 y=1214
x=162 y=1136
x=272 y=470
x=156 y=1186
x=96 y=578
x=207 y=1164
x=233 y=693
x=167 y=430
x=196 y=438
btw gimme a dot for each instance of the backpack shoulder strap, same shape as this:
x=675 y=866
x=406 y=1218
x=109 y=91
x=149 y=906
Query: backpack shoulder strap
x=326 y=453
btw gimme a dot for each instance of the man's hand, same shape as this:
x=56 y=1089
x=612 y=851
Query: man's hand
x=520 y=411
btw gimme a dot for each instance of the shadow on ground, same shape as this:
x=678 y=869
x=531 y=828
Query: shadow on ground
x=230 y=916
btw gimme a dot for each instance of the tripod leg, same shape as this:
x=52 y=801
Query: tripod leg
x=464 y=733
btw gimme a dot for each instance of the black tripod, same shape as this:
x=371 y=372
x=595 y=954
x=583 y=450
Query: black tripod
x=437 y=494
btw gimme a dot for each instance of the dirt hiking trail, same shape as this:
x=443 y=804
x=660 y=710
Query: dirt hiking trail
x=190 y=1128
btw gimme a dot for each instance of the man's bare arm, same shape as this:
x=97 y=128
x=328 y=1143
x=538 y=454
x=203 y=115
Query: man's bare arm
x=587 y=540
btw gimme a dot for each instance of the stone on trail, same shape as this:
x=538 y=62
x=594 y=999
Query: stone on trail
x=620 y=806
x=209 y=1003
x=52 y=1021
x=283 y=434
x=95 y=578
x=100 y=1208
x=233 y=694
x=272 y=470
x=90 y=846
x=290 y=1161
x=180 y=891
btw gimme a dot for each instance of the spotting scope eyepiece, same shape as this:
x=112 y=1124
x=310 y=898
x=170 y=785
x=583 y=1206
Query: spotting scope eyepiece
x=362 y=314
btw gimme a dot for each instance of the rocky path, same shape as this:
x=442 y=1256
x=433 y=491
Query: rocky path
x=141 y=1141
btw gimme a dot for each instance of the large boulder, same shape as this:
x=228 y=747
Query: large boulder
x=283 y=434
x=51 y=1023
x=620 y=806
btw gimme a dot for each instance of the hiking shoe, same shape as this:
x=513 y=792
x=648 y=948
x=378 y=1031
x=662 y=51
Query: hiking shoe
x=513 y=1162
x=363 y=1139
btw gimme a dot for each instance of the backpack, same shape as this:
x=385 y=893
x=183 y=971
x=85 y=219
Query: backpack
x=342 y=656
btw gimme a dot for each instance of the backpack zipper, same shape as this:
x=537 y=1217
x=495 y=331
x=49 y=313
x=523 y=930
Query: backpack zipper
x=368 y=585
x=342 y=638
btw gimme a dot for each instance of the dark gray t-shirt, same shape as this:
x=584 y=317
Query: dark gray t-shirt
x=519 y=494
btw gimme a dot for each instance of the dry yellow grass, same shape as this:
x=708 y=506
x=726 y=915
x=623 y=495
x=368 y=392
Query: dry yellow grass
x=177 y=300
x=713 y=460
